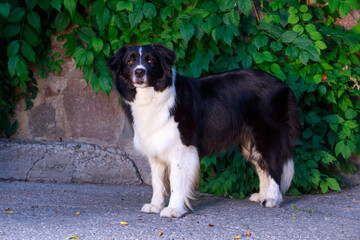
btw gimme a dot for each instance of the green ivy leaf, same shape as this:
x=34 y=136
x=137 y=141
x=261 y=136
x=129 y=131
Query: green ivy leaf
x=225 y=5
x=303 y=8
x=27 y=51
x=276 y=69
x=298 y=28
x=13 y=48
x=306 y=17
x=316 y=36
x=16 y=15
x=149 y=10
x=232 y=18
x=34 y=19
x=135 y=18
x=56 y=4
x=333 y=5
x=356 y=29
x=333 y=184
x=11 y=30
x=103 y=18
x=4 y=9
x=292 y=52
x=62 y=21
x=105 y=82
x=165 y=12
x=304 y=57
x=187 y=31
x=313 y=53
x=350 y=113
x=31 y=36
x=320 y=44
x=246 y=60
x=70 y=5
x=288 y=36
x=258 y=58
x=324 y=186
x=85 y=34
x=245 y=6
x=344 y=9
x=13 y=60
x=95 y=83
x=80 y=57
x=293 y=18
x=122 y=5
x=327 y=66
x=22 y=71
x=97 y=44
x=228 y=35
x=97 y=7
x=303 y=42
x=276 y=46
x=217 y=33
x=342 y=148
x=260 y=41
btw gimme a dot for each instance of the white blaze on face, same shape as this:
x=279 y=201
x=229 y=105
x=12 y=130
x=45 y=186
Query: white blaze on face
x=140 y=66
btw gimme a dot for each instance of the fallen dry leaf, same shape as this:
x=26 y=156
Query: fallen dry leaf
x=236 y=237
x=73 y=237
x=210 y=225
x=248 y=234
x=7 y=209
x=77 y=213
x=161 y=233
x=324 y=77
x=124 y=223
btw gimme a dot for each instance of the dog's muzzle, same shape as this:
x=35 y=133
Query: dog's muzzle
x=140 y=78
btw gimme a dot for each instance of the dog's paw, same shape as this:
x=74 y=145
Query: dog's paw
x=171 y=213
x=150 y=208
x=257 y=197
x=270 y=203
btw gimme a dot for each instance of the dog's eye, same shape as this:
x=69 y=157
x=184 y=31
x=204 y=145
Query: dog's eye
x=130 y=62
x=151 y=61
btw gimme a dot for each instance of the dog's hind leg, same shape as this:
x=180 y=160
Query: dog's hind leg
x=158 y=175
x=184 y=175
x=255 y=158
x=263 y=185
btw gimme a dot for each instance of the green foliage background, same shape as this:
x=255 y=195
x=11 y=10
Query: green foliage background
x=291 y=40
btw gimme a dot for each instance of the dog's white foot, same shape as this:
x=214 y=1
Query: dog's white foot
x=270 y=203
x=257 y=197
x=172 y=212
x=150 y=208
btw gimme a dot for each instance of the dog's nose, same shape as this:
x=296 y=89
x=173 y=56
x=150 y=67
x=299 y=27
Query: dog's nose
x=139 y=73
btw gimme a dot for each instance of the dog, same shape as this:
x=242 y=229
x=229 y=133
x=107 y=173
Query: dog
x=177 y=120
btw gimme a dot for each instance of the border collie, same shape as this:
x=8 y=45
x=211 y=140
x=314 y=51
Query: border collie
x=177 y=120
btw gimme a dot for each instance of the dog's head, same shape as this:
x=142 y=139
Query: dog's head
x=143 y=66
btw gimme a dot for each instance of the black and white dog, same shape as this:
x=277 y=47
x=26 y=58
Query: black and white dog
x=177 y=120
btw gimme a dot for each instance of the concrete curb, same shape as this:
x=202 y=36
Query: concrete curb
x=65 y=162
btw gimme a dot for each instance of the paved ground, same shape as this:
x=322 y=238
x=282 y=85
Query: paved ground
x=58 y=211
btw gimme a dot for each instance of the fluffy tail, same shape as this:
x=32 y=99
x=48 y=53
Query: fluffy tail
x=287 y=175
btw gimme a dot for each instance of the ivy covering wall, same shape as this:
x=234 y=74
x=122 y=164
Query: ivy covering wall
x=292 y=40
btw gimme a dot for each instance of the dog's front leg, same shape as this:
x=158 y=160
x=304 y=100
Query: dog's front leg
x=158 y=170
x=184 y=176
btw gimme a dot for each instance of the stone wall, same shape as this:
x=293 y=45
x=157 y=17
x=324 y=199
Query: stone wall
x=68 y=110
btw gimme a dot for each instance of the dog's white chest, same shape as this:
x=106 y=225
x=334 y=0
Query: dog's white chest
x=155 y=130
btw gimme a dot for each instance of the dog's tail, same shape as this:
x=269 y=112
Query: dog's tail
x=287 y=175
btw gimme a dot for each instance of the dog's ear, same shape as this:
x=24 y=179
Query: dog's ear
x=115 y=62
x=168 y=56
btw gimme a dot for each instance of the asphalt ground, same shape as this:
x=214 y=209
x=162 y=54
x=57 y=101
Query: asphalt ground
x=60 y=211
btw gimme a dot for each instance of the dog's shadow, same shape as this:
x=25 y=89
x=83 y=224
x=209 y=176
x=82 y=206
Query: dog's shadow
x=207 y=202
